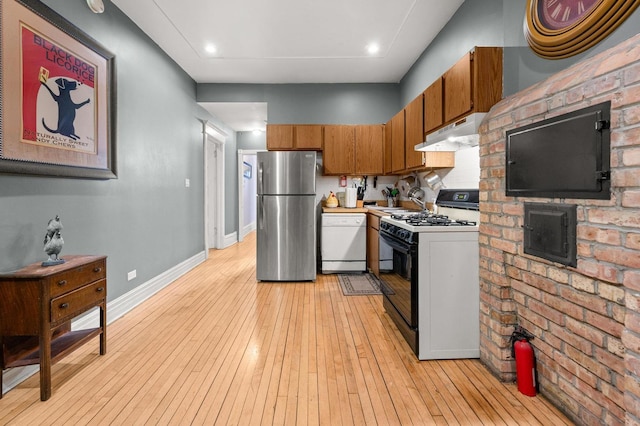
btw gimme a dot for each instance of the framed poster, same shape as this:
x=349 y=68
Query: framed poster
x=57 y=96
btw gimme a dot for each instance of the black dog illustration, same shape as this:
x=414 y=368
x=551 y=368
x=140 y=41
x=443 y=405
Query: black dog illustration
x=66 y=108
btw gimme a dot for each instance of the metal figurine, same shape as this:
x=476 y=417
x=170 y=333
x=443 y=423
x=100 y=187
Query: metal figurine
x=53 y=242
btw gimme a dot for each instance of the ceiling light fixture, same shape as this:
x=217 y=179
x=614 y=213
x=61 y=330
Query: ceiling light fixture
x=96 y=6
x=210 y=48
x=257 y=132
x=373 y=48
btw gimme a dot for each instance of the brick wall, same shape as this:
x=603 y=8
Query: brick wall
x=586 y=320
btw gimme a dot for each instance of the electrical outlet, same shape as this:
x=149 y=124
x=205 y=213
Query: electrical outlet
x=131 y=275
x=187 y=183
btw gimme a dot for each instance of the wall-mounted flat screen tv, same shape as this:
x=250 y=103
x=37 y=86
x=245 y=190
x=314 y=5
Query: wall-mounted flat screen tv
x=561 y=157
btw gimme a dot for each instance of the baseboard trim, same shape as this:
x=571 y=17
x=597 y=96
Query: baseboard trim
x=230 y=239
x=115 y=309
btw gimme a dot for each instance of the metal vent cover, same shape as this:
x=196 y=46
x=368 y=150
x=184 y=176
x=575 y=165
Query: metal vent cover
x=550 y=232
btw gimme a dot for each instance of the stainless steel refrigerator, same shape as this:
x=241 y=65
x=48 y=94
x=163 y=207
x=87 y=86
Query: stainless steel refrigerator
x=286 y=219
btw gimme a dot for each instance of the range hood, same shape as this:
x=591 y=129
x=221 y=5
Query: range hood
x=459 y=135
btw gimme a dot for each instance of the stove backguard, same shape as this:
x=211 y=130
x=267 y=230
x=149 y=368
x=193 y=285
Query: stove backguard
x=550 y=232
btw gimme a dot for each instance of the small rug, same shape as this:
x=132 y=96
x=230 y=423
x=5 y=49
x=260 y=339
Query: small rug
x=359 y=284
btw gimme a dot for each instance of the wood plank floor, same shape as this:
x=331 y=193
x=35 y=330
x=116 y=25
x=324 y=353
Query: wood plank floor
x=216 y=347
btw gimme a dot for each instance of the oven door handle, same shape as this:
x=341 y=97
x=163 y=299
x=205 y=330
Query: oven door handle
x=397 y=245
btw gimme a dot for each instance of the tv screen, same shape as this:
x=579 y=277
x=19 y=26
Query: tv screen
x=561 y=157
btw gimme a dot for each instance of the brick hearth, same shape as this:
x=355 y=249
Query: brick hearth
x=586 y=320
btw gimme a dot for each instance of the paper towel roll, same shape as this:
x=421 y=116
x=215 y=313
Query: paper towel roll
x=350 y=197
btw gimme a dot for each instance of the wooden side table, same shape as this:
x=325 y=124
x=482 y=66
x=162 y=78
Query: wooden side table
x=37 y=305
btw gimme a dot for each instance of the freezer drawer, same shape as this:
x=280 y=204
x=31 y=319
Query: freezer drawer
x=286 y=238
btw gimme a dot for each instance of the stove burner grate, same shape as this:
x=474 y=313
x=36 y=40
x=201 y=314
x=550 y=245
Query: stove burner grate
x=431 y=219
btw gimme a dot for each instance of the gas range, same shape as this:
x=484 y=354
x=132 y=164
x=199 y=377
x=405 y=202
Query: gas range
x=431 y=299
x=457 y=212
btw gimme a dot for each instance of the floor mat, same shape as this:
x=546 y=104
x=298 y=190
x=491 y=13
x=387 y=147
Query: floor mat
x=359 y=284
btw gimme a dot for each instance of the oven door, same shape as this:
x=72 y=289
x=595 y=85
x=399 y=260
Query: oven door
x=399 y=283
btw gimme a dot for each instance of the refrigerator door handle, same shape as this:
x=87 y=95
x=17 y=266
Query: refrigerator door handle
x=260 y=176
x=261 y=212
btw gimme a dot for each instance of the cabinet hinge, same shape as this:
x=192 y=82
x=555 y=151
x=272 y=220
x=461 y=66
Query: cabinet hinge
x=603 y=175
x=602 y=125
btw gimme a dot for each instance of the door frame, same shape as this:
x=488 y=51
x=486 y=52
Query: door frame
x=214 y=139
x=241 y=153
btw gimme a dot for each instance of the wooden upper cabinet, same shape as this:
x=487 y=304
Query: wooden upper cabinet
x=414 y=132
x=457 y=88
x=473 y=84
x=353 y=150
x=307 y=137
x=433 y=112
x=487 y=77
x=304 y=137
x=369 y=149
x=387 y=148
x=397 y=142
x=338 y=154
x=279 y=136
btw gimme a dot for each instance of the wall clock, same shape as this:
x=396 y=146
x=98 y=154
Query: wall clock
x=561 y=28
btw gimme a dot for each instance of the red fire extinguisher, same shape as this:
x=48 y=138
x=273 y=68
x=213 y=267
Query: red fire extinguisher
x=525 y=361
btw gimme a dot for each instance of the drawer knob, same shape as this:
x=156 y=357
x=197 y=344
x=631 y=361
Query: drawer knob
x=64 y=305
x=97 y=269
x=100 y=289
x=61 y=283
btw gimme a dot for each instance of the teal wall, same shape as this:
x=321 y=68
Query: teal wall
x=312 y=103
x=146 y=219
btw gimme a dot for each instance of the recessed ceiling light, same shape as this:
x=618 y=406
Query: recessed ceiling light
x=96 y=6
x=210 y=48
x=373 y=48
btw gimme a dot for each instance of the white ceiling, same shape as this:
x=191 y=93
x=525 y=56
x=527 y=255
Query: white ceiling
x=291 y=41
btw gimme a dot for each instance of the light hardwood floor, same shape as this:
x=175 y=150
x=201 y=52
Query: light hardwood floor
x=216 y=347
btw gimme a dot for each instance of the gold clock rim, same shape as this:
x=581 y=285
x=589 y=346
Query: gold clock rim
x=535 y=18
x=557 y=44
x=577 y=34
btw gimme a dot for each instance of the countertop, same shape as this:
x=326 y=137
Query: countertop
x=377 y=212
x=344 y=210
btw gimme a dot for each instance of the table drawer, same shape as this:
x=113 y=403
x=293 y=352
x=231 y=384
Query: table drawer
x=78 y=277
x=77 y=301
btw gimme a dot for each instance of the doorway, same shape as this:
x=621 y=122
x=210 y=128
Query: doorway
x=247 y=192
x=214 y=141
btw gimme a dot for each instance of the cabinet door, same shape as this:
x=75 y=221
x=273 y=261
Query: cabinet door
x=487 y=85
x=397 y=142
x=307 y=137
x=458 y=88
x=338 y=153
x=369 y=150
x=414 y=132
x=279 y=136
x=387 y=148
x=433 y=112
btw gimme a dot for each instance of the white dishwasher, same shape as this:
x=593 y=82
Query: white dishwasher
x=343 y=242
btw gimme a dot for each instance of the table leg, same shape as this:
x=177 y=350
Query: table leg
x=45 y=365
x=103 y=326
